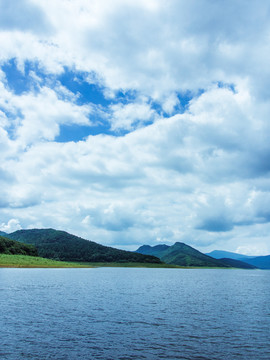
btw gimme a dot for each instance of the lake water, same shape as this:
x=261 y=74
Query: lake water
x=128 y=313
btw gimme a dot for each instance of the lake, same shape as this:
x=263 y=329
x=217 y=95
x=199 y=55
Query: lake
x=133 y=313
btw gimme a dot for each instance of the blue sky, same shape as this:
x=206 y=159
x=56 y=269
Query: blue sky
x=137 y=123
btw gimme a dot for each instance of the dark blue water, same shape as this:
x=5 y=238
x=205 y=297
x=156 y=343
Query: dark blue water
x=124 y=313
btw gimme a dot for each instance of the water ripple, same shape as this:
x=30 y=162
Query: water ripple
x=113 y=314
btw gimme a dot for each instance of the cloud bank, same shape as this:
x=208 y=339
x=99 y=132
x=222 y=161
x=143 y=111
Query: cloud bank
x=130 y=123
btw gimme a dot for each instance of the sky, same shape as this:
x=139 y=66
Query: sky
x=137 y=122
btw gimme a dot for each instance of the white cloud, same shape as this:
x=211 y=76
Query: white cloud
x=155 y=49
x=11 y=226
x=130 y=116
x=37 y=116
x=252 y=250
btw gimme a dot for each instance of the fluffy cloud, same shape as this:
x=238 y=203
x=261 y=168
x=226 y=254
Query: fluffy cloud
x=130 y=116
x=182 y=149
x=38 y=116
x=11 y=226
x=155 y=49
x=151 y=183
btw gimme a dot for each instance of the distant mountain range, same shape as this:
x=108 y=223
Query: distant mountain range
x=261 y=262
x=60 y=245
x=219 y=254
x=182 y=255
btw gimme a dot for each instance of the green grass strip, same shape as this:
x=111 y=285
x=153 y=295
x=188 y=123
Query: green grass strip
x=24 y=261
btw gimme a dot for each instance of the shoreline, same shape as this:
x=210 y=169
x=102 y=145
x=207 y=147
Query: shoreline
x=31 y=262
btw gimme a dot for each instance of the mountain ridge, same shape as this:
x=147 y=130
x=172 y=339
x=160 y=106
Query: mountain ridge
x=219 y=254
x=260 y=262
x=182 y=255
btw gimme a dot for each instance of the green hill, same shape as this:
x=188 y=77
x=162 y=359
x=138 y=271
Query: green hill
x=157 y=250
x=12 y=247
x=60 y=245
x=182 y=255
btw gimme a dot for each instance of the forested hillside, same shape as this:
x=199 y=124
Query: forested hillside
x=60 y=245
x=181 y=254
x=12 y=247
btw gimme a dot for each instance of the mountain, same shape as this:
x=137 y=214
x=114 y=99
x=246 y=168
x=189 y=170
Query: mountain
x=261 y=262
x=157 y=250
x=60 y=245
x=12 y=247
x=237 y=263
x=2 y=233
x=219 y=254
x=181 y=254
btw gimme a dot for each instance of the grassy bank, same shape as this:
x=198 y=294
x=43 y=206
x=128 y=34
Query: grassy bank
x=23 y=261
